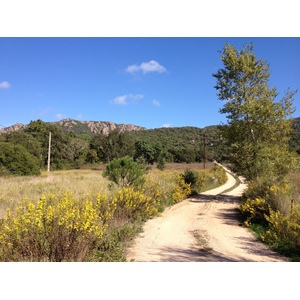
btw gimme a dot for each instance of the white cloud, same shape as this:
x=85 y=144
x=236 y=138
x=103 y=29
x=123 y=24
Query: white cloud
x=146 y=67
x=132 y=69
x=166 y=125
x=4 y=85
x=156 y=102
x=126 y=99
x=120 y=100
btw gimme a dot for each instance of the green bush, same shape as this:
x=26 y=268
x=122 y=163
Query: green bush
x=204 y=179
x=125 y=172
x=16 y=160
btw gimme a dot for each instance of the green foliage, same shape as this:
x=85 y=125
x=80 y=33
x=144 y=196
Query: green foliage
x=125 y=172
x=149 y=151
x=112 y=146
x=70 y=150
x=16 y=160
x=259 y=128
x=190 y=177
x=179 y=144
x=204 y=179
x=31 y=144
x=115 y=242
x=60 y=149
x=295 y=136
x=161 y=163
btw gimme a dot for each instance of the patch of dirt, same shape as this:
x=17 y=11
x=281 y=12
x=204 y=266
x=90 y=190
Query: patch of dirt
x=204 y=228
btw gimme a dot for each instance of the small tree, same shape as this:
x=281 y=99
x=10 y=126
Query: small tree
x=258 y=127
x=125 y=172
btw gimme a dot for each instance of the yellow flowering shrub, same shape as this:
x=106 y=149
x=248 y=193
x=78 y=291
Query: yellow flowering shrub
x=132 y=204
x=181 y=190
x=254 y=210
x=57 y=228
x=283 y=232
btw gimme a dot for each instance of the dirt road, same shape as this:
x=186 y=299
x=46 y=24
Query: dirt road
x=204 y=228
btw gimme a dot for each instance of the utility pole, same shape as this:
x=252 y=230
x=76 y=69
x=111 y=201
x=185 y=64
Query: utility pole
x=49 y=152
x=204 y=150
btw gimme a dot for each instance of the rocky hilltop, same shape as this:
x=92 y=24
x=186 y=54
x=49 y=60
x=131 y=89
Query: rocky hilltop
x=15 y=127
x=82 y=127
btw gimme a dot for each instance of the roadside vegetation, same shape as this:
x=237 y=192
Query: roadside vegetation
x=262 y=147
x=81 y=215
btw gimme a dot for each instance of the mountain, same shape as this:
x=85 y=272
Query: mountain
x=82 y=127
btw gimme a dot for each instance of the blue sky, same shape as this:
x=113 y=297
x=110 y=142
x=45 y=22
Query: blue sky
x=150 y=82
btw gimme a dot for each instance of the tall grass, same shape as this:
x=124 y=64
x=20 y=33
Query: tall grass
x=80 y=182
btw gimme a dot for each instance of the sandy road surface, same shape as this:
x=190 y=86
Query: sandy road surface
x=204 y=228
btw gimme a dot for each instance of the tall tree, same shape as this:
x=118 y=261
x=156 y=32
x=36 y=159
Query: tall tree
x=259 y=127
x=59 y=145
x=114 y=145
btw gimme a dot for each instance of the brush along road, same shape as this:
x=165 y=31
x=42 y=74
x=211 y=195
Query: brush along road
x=204 y=228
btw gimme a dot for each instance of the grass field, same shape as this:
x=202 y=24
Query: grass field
x=80 y=182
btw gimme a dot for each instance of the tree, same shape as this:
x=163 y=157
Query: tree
x=114 y=145
x=259 y=127
x=16 y=160
x=125 y=172
x=60 y=143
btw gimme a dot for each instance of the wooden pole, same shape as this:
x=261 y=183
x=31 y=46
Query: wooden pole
x=204 y=151
x=49 y=152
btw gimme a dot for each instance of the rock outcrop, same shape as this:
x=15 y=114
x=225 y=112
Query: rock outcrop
x=82 y=127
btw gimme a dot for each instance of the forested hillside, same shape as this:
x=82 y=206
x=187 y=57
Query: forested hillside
x=73 y=147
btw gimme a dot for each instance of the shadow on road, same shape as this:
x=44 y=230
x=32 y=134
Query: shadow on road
x=230 y=216
x=219 y=198
x=171 y=254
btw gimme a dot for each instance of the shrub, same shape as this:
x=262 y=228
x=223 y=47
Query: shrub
x=254 y=211
x=219 y=174
x=191 y=177
x=115 y=243
x=283 y=234
x=204 y=179
x=276 y=193
x=181 y=190
x=55 y=229
x=125 y=172
x=132 y=204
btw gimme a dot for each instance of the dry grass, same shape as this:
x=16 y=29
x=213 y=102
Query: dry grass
x=80 y=182
x=193 y=166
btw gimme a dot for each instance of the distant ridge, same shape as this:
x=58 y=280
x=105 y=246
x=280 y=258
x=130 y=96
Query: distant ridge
x=81 y=127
